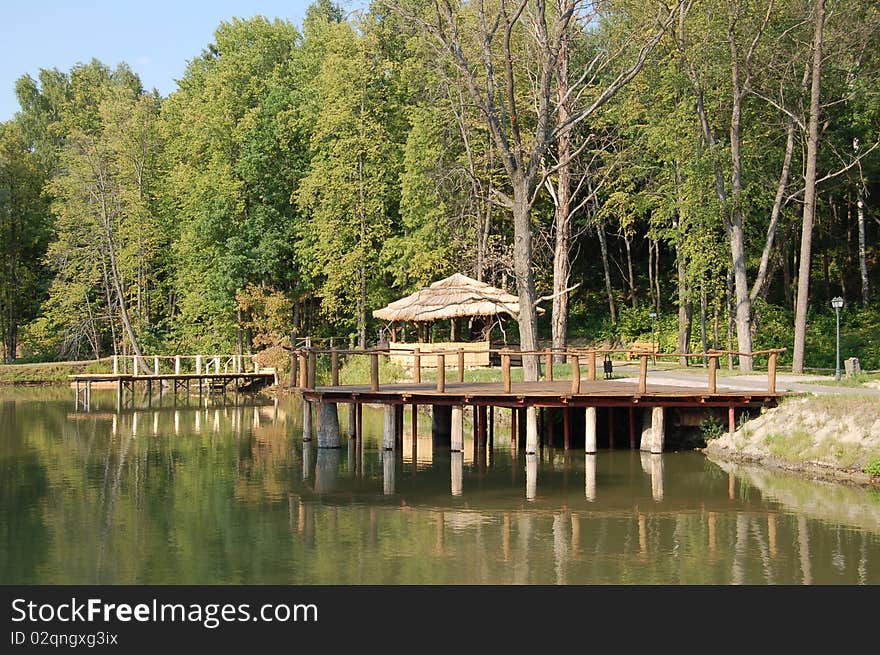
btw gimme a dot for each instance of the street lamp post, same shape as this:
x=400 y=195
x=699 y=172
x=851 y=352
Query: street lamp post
x=653 y=355
x=837 y=303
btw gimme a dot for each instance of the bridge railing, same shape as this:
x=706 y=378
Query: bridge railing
x=303 y=363
x=183 y=364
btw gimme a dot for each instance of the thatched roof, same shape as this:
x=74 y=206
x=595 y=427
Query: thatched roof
x=453 y=297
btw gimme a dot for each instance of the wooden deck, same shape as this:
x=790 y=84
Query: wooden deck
x=558 y=393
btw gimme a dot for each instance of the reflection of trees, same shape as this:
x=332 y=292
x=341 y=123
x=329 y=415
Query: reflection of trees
x=86 y=503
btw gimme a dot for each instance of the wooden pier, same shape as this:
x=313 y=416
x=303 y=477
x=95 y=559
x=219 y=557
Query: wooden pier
x=525 y=399
x=211 y=374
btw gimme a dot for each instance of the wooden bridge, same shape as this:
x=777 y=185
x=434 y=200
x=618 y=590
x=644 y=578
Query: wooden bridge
x=213 y=374
x=590 y=394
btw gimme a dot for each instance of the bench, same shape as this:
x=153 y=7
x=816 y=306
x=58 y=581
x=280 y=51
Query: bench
x=637 y=348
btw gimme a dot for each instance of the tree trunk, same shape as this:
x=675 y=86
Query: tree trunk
x=863 y=263
x=704 y=342
x=743 y=305
x=525 y=284
x=603 y=246
x=362 y=295
x=654 y=300
x=685 y=309
x=629 y=267
x=762 y=279
x=562 y=217
x=803 y=290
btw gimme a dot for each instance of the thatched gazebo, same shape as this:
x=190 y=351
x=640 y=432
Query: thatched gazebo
x=455 y=297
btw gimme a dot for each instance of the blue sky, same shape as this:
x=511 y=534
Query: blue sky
x=155 y=37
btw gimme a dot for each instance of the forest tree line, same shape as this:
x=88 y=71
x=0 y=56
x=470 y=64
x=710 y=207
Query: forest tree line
x=712 y=161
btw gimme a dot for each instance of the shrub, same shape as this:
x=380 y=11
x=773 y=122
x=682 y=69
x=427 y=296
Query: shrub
x=712 y=428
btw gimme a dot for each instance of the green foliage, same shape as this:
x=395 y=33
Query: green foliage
x=342 y=166
x=712 y=428
x=872 y=468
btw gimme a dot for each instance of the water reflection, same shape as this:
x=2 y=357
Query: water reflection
x=208 y=494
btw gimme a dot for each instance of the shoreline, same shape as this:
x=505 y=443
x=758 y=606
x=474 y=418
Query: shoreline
x=806 y=470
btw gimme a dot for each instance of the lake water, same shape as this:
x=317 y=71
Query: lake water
x=230 y=494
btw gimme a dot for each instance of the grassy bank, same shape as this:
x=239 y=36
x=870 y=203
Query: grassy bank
x=49 y=372
x=837 y=435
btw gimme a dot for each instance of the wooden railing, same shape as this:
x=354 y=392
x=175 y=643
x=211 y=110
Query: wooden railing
x=303 y=364
x=183 y=364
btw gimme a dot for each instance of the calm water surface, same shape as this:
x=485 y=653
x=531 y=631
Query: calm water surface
x=230 y=494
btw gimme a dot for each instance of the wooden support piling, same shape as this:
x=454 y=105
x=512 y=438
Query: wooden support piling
x=590 y=430
x=611 y=428
x=643 y=374
x=731 y=419
x=491 y=426
x=389 y=427
x=566 y=427
x=575 y=375
x=632 y=427
x=415 y=436
x=481 y=416
x=531 y=431
x=457 y=429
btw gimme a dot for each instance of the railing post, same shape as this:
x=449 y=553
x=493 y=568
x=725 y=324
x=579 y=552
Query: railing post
x=548 y=365
x=177 y=365
x=505 y=369
x=115 y=364
x=313 y=365
x=217 y=364
x=441 y=373
x=771 y=374
x=374 y=371
x=575 y=374
x=334 y=367
x=461 y=364
x=713 y=369
x=417 y=366
x=591 y=365
x=134 y=365
x=303 y=369
x=643 y=373
x=156 y=364
x=198 y=364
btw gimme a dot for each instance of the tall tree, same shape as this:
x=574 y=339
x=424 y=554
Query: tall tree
x=479 y=40
x=24 y=232
x=809 y=215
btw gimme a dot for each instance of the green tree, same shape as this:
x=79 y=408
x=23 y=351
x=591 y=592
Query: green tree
x=24 y=232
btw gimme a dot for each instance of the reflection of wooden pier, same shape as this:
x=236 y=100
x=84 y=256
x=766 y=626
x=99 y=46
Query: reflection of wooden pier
x=213 y=375
x=645 y=402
